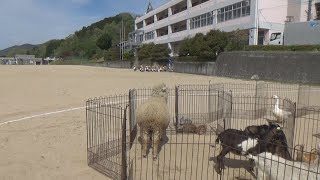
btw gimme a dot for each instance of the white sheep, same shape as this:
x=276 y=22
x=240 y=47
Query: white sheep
x=274 y=167
x=153 y=118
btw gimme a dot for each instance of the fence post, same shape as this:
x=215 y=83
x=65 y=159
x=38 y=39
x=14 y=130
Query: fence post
x=218 y=106
x=132 y=118
x=255 y=101
x=130 y=109
x=124 y=146
x=298 y=99
x=301 y=92
x=209 y=104
x=177 y=106
x=293 y=126
x=88 y=121
x=231 y=103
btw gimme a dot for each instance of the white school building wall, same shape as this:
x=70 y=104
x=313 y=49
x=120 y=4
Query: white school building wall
x=178 y=19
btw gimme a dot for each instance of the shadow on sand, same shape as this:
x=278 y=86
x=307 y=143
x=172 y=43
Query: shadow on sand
x=235 y=163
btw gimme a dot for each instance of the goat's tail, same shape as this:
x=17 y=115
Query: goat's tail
x=216 y=142
x=218 y=139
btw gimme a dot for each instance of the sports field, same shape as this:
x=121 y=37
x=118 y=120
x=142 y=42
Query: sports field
x=46 y=138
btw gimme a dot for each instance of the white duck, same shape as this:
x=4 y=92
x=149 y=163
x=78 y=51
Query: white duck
x=279 y=114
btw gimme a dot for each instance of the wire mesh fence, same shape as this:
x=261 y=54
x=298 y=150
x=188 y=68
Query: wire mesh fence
x=197 y=114
x=106 y=117
x=185 y=144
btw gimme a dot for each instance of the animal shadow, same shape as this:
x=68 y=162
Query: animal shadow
x=235 y=163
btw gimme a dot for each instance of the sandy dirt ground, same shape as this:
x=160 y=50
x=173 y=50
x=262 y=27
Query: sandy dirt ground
x=53 y=146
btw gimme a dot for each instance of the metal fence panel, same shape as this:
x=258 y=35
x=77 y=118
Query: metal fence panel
x=114 y=148
x=289 y=123
x=193 y=103
x=215 y=109
x=105 y=136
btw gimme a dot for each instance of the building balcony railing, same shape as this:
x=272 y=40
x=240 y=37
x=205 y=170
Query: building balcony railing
x=178 y=36
x=167 y=21
x=162 y=38
x=183 y=15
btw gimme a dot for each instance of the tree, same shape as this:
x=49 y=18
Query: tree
x=214 y=42
x=104 y=42
x=112 y=54
x=153 y=52
x=237 y=40
x=128 y=55
x=51 y=46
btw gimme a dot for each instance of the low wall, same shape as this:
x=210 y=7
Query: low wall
x=280 y=66
x=205 y=68
x=113 y=64
x=118 y=64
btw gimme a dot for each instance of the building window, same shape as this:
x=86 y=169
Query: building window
x=149 y=35
x=234 y=11
x=140 y=37
x=201 y=21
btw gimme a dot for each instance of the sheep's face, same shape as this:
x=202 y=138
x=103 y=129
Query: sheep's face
x=164 y=93
x=275 y=97
x=160 y=90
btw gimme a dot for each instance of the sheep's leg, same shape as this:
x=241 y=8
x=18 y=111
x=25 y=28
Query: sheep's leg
x=144 y=141
x=156 y=141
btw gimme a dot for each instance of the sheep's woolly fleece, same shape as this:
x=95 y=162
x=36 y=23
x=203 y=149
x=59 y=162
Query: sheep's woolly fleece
x=154 y=111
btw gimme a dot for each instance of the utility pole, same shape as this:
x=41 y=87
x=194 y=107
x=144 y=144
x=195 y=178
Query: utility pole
x=309 y=10
x=256 y=23
x=122 y=40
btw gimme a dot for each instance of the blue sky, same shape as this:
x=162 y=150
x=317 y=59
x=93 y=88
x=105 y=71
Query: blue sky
x=37 y=21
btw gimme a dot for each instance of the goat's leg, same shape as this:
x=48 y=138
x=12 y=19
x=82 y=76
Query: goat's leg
x=156 y=140
x=144 y=141
x=251 y=165
x=220 y=158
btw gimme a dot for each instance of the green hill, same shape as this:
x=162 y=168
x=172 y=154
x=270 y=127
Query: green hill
x=83 y=43
x=22 y=49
